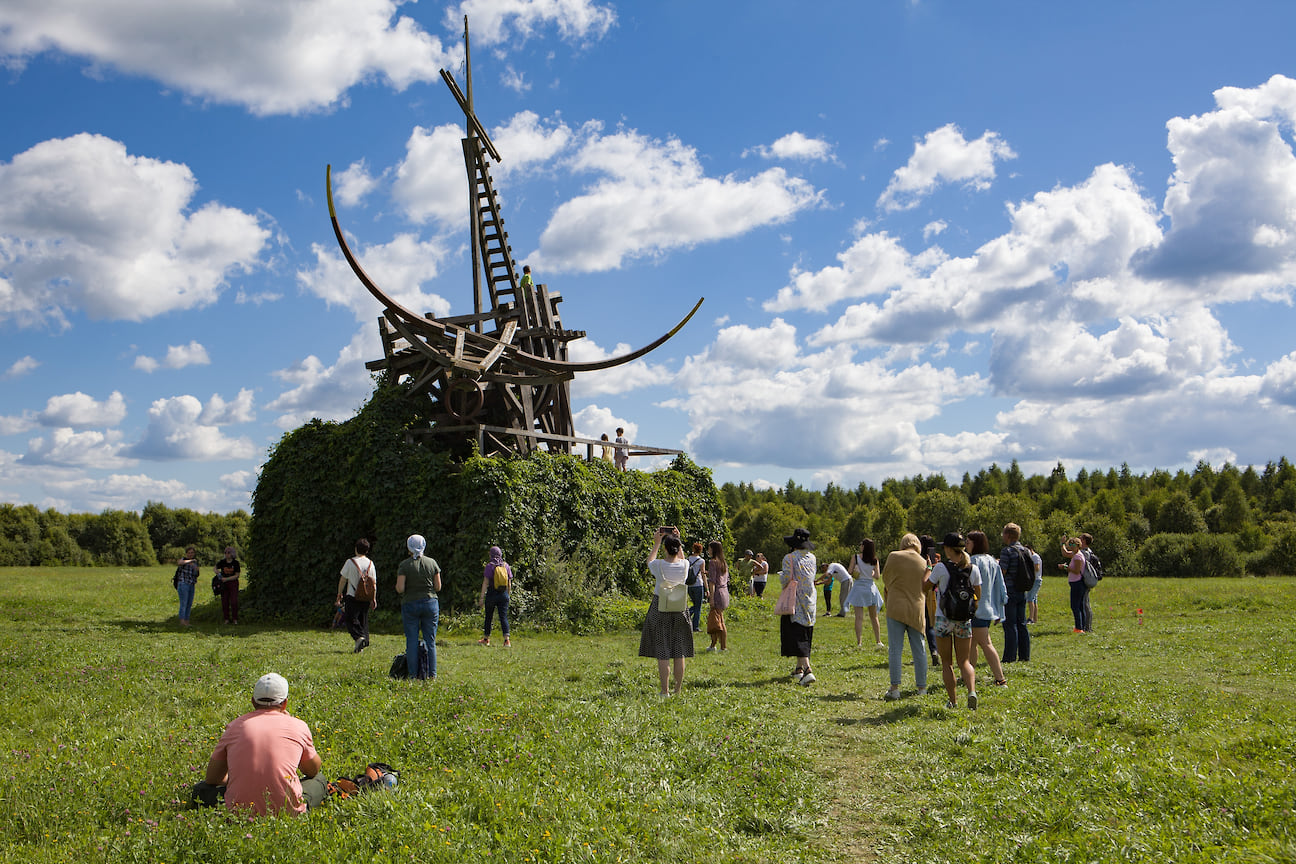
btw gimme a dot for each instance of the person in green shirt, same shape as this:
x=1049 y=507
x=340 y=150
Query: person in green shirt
x=743 y=567
x=526 y=277
x=418 y=579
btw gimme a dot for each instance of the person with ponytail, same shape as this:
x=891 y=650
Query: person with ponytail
x=954 y=638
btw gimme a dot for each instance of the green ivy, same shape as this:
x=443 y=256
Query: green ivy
x=327 y=484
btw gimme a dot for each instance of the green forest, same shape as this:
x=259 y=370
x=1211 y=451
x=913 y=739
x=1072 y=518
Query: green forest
x=30 y=537
x=1211 y=522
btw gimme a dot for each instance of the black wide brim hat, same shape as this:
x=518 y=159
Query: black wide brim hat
x=799 y=539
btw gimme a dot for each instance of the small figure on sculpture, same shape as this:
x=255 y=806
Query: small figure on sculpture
x=622 y=449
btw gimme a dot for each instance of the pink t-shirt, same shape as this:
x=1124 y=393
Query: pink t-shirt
x=1076 y=569
x=262 y=750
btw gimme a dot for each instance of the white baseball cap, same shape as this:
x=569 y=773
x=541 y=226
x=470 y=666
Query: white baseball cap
x=270 y=690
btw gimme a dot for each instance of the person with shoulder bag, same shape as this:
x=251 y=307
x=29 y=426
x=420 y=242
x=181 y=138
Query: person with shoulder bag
x=797 y=606
x=358 y=590
x=667 y=635
x=186 y=582
x=497 y=578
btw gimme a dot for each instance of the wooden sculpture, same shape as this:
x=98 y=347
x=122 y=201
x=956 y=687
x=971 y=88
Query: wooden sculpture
x=501 y=375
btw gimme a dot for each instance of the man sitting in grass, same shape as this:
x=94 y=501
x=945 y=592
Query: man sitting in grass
x=255 y=763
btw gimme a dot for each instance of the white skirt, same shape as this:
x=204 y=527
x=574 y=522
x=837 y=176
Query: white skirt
x=864 y=593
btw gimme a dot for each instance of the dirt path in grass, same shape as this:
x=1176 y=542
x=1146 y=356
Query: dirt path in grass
x=851 y=757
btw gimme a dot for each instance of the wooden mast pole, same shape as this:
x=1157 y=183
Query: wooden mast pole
x=474 y=153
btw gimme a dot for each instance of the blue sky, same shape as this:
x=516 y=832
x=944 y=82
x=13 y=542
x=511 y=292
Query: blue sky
x=930 y=235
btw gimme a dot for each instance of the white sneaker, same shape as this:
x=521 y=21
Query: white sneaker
x=972 y=701
x=922 y=691
x=710 y=649
x=879 y=646
x=892 y=695
x=807 y=679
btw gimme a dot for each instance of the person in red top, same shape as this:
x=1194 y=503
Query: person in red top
x=255 y=764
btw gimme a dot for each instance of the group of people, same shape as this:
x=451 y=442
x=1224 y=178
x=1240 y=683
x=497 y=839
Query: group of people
x=266 y=759
x=940 y=597
x=226 y=581
x=618 y=451
x=418 y=581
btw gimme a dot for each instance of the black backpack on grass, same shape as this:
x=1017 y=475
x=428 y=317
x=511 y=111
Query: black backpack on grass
x=958 y=603
x=400 y=664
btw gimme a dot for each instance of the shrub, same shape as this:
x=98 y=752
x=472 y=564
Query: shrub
x=1189 y=556
x=938 y=512
x=1279 y=559
x=1179 y=515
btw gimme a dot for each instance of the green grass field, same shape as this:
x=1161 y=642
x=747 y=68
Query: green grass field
x=1171 y=740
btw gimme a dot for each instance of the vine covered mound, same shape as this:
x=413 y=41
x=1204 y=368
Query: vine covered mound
x=327 y=484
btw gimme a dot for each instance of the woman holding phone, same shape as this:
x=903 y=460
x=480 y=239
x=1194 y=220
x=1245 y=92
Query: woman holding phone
x=667 y=636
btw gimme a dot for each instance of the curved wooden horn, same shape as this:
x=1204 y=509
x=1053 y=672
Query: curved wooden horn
x=565 y=365
x=368 y=283
x=547 y=363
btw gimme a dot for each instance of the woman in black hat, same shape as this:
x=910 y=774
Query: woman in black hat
x=796 y=631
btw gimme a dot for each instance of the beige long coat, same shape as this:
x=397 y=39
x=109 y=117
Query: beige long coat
x=902 y=578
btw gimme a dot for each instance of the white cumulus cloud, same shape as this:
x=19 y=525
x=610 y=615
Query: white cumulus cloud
x=284 y=57
x=399 y=268
x=176 y=430
x=177 y=357
x=88 y=449
x=495 y=21
x=795 y=145
x=651 y=197
x=945 y=156
x=80 y=411
x=328 y=392
x=84 y=224
x=21 y=366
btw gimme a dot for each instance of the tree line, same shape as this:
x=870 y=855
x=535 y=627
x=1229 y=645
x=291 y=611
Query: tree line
x=1210 y=522
x=30 y=537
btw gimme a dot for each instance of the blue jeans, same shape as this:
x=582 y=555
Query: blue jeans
x=1016 y=636
x=696 y=593
x=186 y=591
x=494 y=600
x=1080 y=609
x=415 y=616
x=896 y=631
